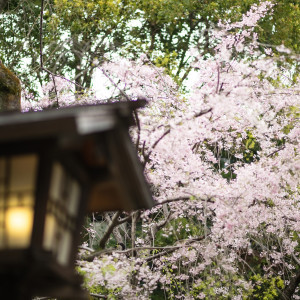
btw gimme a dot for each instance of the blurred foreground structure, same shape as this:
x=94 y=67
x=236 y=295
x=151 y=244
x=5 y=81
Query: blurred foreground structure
x=55 y=166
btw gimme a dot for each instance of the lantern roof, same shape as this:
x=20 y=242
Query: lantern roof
x=79 y=120
x=97 y=136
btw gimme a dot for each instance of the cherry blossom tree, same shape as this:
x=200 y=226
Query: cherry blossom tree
x=222 y=159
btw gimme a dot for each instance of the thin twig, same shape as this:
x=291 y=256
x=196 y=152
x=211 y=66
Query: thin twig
x=274 y=152
x=98 y=296
x=62 y=77
x=146 y=156
x=218 y=82
x=41 y=34
x=114 y=84
x=175 y=200
x=296 y=259
x=126 y=219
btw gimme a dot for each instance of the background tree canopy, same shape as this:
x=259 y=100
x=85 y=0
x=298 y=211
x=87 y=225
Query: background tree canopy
x=80 y=35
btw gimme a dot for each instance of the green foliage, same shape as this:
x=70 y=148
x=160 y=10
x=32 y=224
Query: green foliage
x=296 y=237
x=283 y=26
x=227 y=157
x=294 y=111
x=266 y=288
x=167 y=61
x=158 y=294
x=178 y=229
x=172 y=27
x=75 y=33
x=96 y=288
x=251 y=148
x=262 y=288
x=221 y=284
x=88 y=17
x=19 y=40
x=222 y=287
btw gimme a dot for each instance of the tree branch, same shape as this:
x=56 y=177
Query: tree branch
x=146 y=156
x=274 y=152
x=202 y=112
x=41 y=52
x=185 y=198
x=167 y=249
x=126 y=219
x=110 y=228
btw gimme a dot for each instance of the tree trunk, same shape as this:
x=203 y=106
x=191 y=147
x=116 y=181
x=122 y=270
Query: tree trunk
x=82 y=77
x=290 y=289
x=112 y=223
